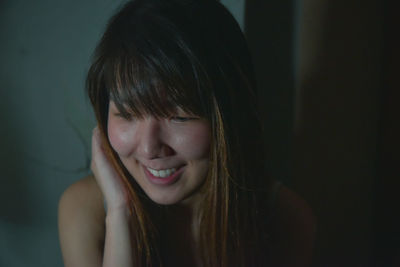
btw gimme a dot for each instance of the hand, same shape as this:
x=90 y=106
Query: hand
x=106 y=176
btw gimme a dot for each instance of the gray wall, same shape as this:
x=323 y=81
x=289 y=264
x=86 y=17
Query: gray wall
x=45 y=118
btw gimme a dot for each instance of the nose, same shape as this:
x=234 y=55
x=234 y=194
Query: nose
x=150 y=140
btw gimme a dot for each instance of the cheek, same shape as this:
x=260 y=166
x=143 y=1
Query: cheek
x=195 y=142
x=118 y=138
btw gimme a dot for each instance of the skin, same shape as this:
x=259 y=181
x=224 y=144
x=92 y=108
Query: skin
x=89 y=236
x=181 y=142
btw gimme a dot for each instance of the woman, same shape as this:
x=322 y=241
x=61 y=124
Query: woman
x=177 y=156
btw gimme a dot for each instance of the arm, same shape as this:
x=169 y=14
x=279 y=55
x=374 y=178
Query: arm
x=79 y=223
x=118 y=247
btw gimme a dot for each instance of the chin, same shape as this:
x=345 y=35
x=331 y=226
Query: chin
x=172 y=198
x=164 y=200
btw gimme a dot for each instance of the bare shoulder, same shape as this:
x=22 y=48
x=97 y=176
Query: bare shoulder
x=81 y=223
x=294 y=227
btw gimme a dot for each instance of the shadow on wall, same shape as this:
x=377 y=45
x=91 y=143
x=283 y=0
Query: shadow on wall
x=336 y=125
x=269 y=28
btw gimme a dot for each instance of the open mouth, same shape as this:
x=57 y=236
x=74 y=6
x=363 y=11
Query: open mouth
x=163 y=176
x=161 y=173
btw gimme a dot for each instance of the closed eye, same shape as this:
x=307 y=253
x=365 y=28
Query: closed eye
x=125 y=116
x=181 y=119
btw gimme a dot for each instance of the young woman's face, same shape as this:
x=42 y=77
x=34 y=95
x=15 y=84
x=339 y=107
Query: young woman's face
x=168 y=157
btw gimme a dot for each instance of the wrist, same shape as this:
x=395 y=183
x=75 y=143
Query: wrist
x=117 y=213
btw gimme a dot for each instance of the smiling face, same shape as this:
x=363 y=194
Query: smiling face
x=168 y=157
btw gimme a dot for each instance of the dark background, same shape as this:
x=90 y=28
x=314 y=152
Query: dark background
x=328 y=95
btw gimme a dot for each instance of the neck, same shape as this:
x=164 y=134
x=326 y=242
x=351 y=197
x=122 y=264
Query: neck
x=182 y=233
x=185 y=217
x=179 y=216
x=187 y=210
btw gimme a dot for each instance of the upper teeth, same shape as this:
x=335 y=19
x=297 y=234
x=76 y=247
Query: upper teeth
x=162 y=173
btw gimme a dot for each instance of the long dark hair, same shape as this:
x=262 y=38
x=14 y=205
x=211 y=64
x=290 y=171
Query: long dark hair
x=156 y=55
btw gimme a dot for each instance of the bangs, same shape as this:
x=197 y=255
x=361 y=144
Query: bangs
x=154 y=75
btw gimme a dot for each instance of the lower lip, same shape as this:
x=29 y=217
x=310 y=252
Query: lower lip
x=163 y=181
